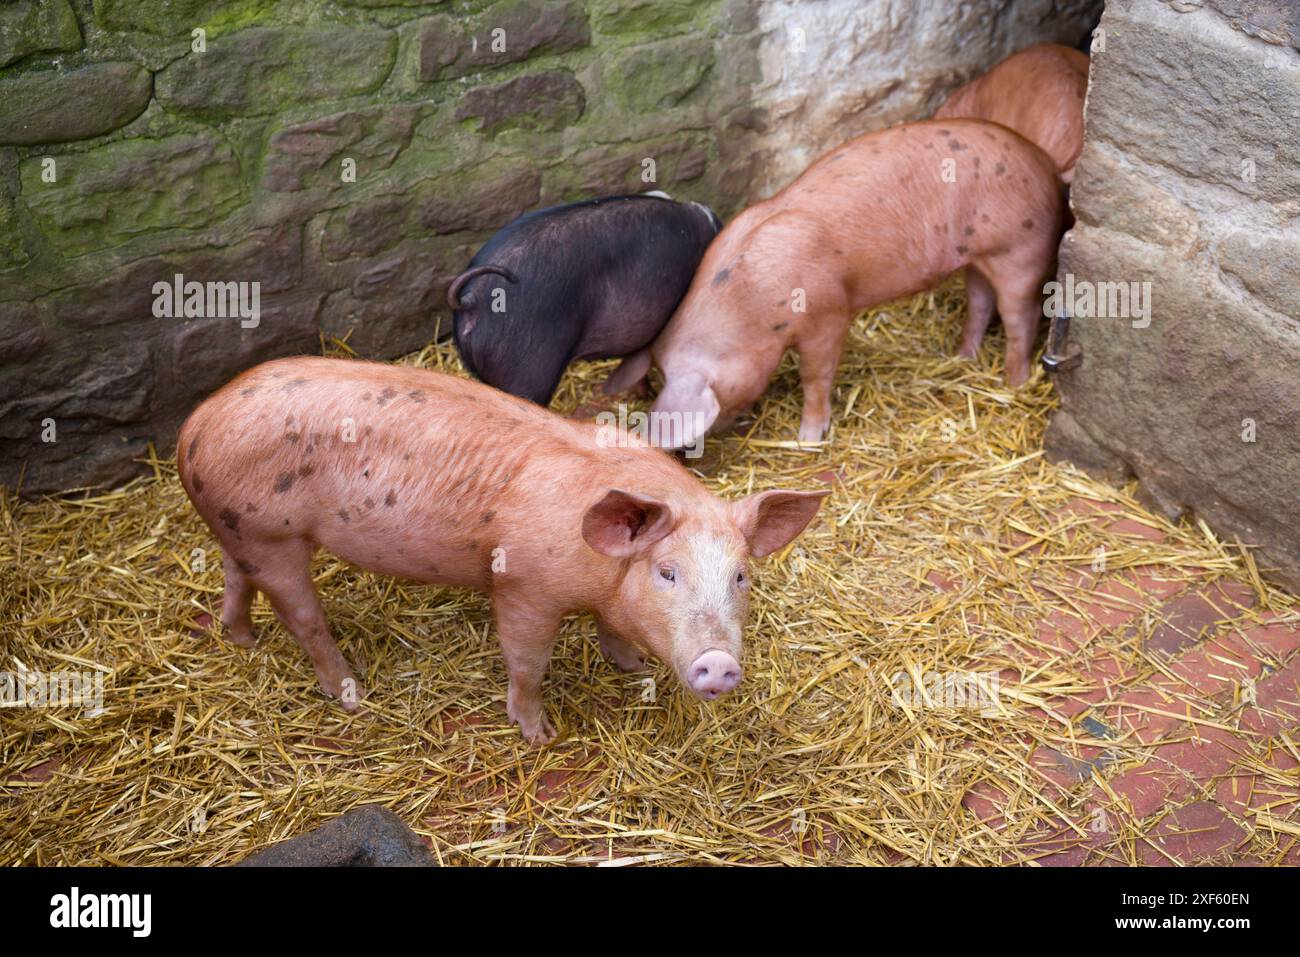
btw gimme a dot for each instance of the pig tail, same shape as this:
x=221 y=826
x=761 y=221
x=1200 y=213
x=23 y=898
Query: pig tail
x=453 y=292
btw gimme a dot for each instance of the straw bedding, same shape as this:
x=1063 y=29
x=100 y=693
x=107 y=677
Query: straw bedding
x=206 y=752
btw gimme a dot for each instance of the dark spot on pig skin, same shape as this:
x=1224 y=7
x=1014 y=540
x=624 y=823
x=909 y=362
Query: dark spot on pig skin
x=945 y=132
x=343 y=514
x=955 y=145
x=194 y=445
x=722 y=276
x=471 y=545
x=250 y=508
x=198 y=484
x=246 y=393
x=406 y=457
x=293 y=384
x=248 y=568
x=292 y=437
x=962 y=249
x=385 y=396
x=984 y=217
x=1028 y=224
x=369 y=502
x=365 y=473
x=1001 y=169
x=306 y=469
x=284 y=482
x=416 y=395
x=229 y=519
x=969 y=231
x=365 y=397
x=487 y=517
x=390 y=499
x=780 y=325
x=310 y=449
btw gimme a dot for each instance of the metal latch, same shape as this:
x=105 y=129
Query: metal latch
x=1061 y=354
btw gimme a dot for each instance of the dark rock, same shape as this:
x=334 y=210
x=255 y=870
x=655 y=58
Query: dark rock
x=57 y=107
x=365 y=227
x=538 y=101
x=21 y=334
x=393 y=304
x=452 y=46
x=368 y=836
x=311 y=153
x=37 y=26
x=488 y=202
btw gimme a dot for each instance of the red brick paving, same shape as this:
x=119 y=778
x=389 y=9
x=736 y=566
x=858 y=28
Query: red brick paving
x=1185 y=717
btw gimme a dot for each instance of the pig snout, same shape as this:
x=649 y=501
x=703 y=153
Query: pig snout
x=713 y=673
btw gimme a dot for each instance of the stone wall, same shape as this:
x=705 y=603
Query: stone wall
x=1190 y=181
x=349 y=155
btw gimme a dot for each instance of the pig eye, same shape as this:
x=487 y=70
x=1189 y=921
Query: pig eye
x=741 y=580
x=667 y=573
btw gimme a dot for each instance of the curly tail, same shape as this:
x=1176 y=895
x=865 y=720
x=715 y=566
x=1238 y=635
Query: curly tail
x=453 y=291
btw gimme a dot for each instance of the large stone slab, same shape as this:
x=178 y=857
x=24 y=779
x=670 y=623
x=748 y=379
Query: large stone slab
x=453 y=46
x=265 y=69
x=37 y=26
x=1199 y=398
x=106 y=196
x=58 y=107
x=535 y=101
x=312 y=153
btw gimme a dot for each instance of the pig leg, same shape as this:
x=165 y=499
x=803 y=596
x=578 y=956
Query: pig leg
x=1020 y=309
x=284 y=575
x=527 y=636
x=618 y=650
x=819 y=357
x=981 y=300
x=236 y=602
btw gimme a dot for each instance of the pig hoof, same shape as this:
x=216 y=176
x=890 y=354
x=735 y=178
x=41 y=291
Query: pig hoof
x=242 y=638
x=346 y=688
x=811 y=432
x=536 y=729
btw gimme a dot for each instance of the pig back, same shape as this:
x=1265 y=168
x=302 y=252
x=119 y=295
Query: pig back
x=1039 y=92
x=406 y=472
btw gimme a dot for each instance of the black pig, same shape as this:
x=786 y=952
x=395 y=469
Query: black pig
x=587 y=280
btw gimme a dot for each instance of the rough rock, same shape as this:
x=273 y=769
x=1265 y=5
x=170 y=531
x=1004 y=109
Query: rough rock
x=265 y=69
x=504 y=33
x=368 y=836
x=37 y=26
x=55 y=107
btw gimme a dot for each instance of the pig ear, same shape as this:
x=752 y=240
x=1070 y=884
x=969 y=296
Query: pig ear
x=629 y=372
x=622 y=524
x=771 y=520
x=691 y=396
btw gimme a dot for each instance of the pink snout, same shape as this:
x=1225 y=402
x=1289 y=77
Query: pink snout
x=713 y=673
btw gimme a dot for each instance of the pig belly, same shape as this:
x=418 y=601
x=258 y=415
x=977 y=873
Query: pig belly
x=439 y=554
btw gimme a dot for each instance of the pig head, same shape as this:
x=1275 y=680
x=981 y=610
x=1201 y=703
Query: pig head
x=682 y=592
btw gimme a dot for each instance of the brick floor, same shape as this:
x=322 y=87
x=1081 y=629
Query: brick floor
x=1183 y=743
